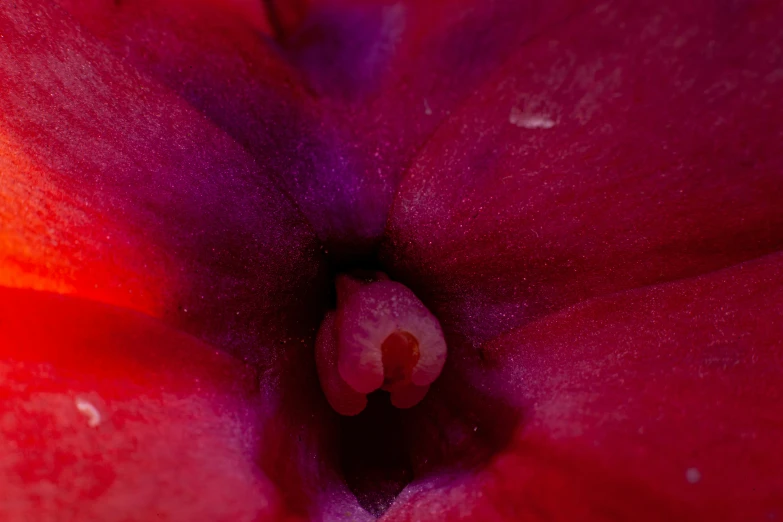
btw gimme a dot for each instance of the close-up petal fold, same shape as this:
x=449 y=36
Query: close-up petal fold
x=325 y=260
x=116 y=190
x=635 y=144
x=108 y=413
x=659 y=402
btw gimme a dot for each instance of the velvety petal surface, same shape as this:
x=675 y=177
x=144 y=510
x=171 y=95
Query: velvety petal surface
x=115 y=189
x=162 y=156
x=639 y=142
x=372 y=80
x=660 y=403
x=223 y=66
x=109 y=415
x=389 y=73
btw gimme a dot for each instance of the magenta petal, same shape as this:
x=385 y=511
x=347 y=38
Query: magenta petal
x=386 y=74
x=637 y=143
x=393 y=71
x=340 y=153
x=661 y=403
x=131 y=197
x=222 y=66
x=110 y=415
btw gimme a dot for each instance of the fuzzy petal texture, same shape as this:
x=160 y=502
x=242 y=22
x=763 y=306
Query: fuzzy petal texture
x=389 y=73
x=584 y=199
x=661 y=403
x=637 y=143
x=110 y=415
x=115 y=189
x=220 y=64
x=340 y=128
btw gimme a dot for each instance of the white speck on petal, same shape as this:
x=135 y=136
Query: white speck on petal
x=692 y=475
x=87 y=409
x=530 y=121
x=427 y=108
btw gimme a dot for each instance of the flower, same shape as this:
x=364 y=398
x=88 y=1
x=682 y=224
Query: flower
x=587 y=195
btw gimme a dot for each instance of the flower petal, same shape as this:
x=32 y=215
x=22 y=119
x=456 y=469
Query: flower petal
x=661 y=403
x=109 y=415
x=339 y=153
x=389 y=73
x=636 y=144
x=114 y=189
x=410 y=62
x=222 y=66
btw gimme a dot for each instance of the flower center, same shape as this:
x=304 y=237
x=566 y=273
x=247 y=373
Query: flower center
x=380 y=337
x=376 y=354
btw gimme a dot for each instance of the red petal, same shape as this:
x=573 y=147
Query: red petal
x=659 y=403
x=388 y=73
x=382 y=95
x=108 y=415
x=219 y=63
x=114 y=189
x=395 y=70
x=638 y=143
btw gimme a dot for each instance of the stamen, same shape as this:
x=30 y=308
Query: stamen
x=342 y=398
x=385 y=339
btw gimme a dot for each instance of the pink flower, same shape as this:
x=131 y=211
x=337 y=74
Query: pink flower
x=587 y=195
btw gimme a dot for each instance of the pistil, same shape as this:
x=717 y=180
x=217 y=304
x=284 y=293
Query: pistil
x=380 y=337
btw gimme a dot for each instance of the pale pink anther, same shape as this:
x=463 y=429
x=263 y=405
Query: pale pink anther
x=386 y=339
x=342 y=398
